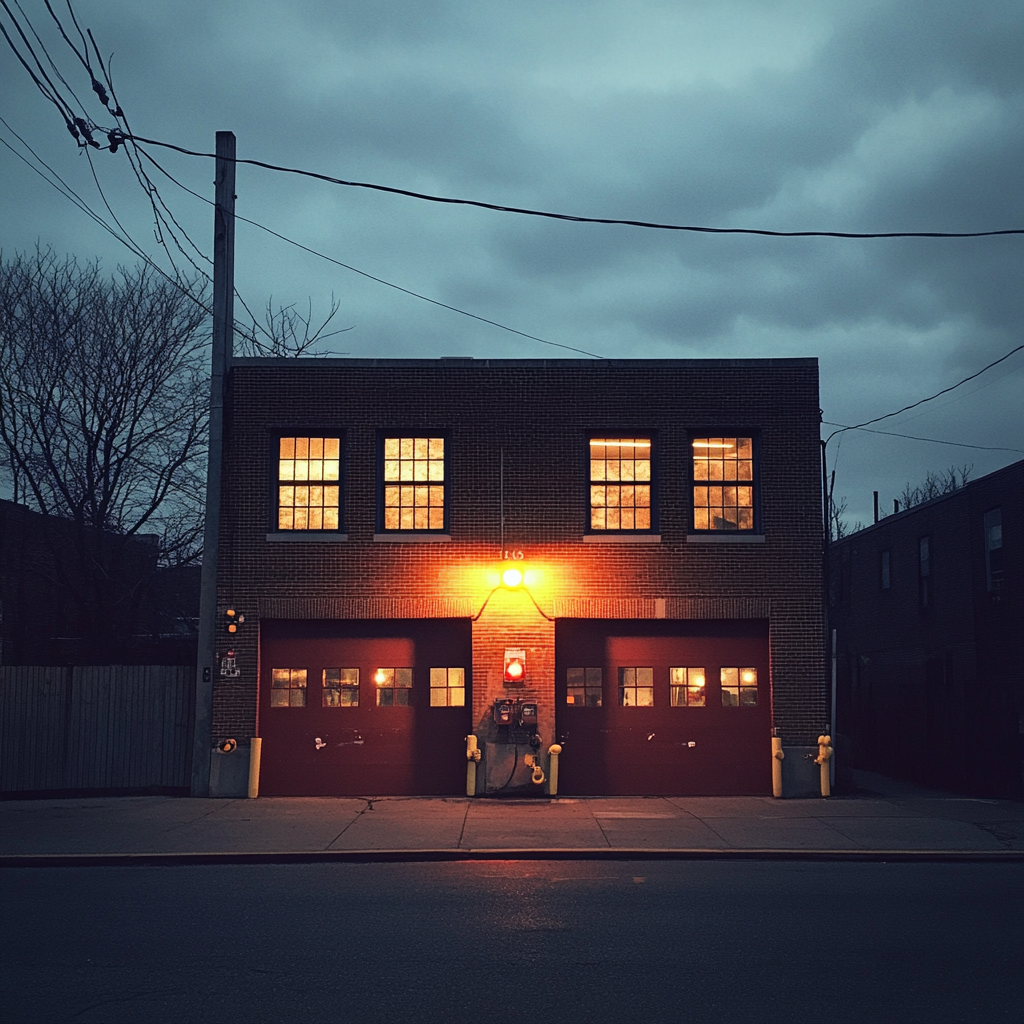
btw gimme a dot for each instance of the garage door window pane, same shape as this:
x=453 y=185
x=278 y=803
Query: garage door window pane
x=688 y=687
x=447 y=687
x=288 y=688
x=341 y=688
x=583 y=687
x=394 y=686
x=636 y=687
x=739 y=687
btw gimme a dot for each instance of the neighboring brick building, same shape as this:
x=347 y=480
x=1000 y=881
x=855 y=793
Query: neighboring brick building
x=50 y=612
x=665 y=515
x=928 y=610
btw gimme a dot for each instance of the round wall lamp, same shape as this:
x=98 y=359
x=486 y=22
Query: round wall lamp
x=512 y=578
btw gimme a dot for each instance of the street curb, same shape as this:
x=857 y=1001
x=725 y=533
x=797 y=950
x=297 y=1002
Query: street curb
x=65 y=860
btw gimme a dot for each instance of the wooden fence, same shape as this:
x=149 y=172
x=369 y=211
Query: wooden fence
x=96 y=728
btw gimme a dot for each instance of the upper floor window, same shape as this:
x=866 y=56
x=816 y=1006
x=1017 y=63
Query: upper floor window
x=308 y=471
x=884 y=569
x=620 y=483
x=994 y=550
x=413 y=482
x=924 y=573
x=723 y=483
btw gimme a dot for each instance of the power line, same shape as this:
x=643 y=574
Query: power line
x=938 y=394
x=933 y=440
x=585 y=220
x=372 y=277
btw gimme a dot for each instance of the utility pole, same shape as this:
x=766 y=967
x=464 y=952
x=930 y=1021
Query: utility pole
x=223 y=334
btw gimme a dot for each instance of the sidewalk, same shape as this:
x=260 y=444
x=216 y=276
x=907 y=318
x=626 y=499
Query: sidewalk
x=884 y=819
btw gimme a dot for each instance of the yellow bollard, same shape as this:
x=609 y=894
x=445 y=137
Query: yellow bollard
x=255 y=749
x=472 y=757
x=777 y=755
x=553 y=751
x=824 y=754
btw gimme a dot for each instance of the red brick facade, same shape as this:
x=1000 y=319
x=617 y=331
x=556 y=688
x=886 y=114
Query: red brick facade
x=533 y=417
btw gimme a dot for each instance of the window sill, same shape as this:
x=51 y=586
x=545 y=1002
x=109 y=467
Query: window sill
x=622 y=538
x=725 y=538
x=412 y=538
x=306 y=537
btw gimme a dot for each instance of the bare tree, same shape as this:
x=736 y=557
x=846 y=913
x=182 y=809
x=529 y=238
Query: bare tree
x=285 y=332
x=103 y=418
x=935 y=485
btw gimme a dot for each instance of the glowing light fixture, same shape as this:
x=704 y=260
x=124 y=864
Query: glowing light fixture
x=380 y=676
x=512 y=577
x=596 y=442
x=713 y=444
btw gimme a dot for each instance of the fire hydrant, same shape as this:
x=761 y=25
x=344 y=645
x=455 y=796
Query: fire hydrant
x=472 y=759
x=824 y=754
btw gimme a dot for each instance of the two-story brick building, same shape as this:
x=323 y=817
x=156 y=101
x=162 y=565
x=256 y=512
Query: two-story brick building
x=927 y=606
x=663 y=518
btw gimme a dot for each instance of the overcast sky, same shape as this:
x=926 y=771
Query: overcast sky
x=848 y=115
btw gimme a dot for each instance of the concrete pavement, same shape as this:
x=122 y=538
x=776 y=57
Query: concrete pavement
x=882 y=818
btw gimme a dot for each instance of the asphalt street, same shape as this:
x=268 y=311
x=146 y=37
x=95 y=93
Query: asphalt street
x=509 y=940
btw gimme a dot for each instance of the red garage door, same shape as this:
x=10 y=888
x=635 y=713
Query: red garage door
x=364 y=708
x=673 y=708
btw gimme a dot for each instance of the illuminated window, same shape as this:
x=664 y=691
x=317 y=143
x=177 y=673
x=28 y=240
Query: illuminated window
x=620 y=483
x=447 y=687
x=739 y=687
x=413 y=481
x=288 y=688
x=723 y=483
x=688 y=689
x=308 y=470
x=394 y=686
x=636 y=687
x=584 y=687
x=341 y=688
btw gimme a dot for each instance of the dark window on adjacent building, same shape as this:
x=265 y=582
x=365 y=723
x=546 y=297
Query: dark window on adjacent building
x=621 y=496
x=584 y=686
x=994 y=550
x=308 y=483
x=739 y=687
x=413 y=482
x=924 y=573
x=636 y=687
x=723 y=484
x=883 y=570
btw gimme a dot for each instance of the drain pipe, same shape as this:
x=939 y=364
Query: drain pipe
x=472 y=757
x=553 y=751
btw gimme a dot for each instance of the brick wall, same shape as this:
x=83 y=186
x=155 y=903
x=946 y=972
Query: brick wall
x=935 y=693
x=539 y=412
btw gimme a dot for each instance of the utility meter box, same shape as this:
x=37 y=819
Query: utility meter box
x=527 y=714
x=504 y=712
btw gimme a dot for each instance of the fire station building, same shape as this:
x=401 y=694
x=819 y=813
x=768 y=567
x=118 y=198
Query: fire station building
x=620 y=557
